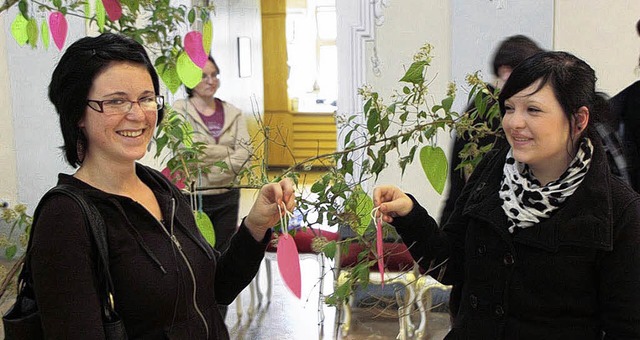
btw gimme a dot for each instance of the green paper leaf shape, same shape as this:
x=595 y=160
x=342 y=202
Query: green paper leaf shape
x=32 y=32
x=44 y=29
x=19 y=29
x=188 y=72
x=101 y=15
x=206 y=227
x=435 y=166
x=207 y=36
x=415 y=72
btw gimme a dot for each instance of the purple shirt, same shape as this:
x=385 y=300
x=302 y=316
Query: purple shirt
x=215 y=122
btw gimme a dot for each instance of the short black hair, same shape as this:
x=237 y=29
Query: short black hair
x=513 y=50
x=74 y=75
x=572 y=80
x=190 y=90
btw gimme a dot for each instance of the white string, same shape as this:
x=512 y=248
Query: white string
x=284 y=223
x=374 y=213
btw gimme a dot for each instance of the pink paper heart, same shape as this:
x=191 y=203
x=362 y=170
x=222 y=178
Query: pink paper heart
x=167 y=173
x=380 y=251
x=289 y=263
x=58 y=26
x=195 y=50
x=113 y=8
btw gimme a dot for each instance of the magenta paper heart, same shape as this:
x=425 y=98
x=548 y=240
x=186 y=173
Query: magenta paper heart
x=113 y=8
x=195 y=50
x=289 y=263
x=380 y=251
x=58 y=26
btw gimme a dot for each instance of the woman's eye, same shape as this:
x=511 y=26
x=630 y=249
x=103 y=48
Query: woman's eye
x=114 y=102
x=147 y=100
x=534 y=109
x=508 y=109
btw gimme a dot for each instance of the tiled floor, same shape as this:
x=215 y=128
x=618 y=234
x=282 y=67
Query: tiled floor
x=286 y=317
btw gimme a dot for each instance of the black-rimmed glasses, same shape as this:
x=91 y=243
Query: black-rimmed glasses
x=123 y=106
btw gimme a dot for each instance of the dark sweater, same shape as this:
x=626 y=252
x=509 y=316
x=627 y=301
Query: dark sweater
x=153 y=284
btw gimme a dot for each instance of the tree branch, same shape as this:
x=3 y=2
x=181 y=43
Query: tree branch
x=7 y=4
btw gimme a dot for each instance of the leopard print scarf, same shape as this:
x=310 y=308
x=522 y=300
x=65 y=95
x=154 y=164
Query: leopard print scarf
x=526 y=202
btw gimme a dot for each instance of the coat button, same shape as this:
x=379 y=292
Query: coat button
x=508 y=259
x=499 y=311
x=473 y=301
x=482 y=249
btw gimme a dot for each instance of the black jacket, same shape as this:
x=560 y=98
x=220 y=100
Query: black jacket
x=573 y=276
x=153 y=285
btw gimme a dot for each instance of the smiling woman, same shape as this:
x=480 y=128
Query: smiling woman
x=167 y=280
x=542 y=242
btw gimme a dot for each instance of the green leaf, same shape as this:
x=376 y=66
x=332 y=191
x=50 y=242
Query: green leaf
x=222 y=165
x=169 y=75
x=318 y=187
x=101 y=15
x=446 y=103
x=44 y=29
x=10 y=252
x=32 y=32
x=192 y=16
x=414 y=73
x=57 y=3
x=207 y=36
x=329 y=249
x=406 y=90
x=206 y=227
x=435 y=166
x=363 y=205
x=19 y=29
x=24 y=8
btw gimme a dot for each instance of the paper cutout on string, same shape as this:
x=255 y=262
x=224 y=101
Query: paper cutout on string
x=206 y=227
x=188 y=72
x=32 y=32
x=19 y=29
x=101 y=15
x=113 y=8
x=207 y=36
x=379 y=243
x=193 y=45
x=58 y=26
x=44 y=28
x=288 y=257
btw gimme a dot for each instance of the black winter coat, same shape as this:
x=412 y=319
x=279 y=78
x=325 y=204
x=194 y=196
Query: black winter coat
x=573 y=276
x=153 y=284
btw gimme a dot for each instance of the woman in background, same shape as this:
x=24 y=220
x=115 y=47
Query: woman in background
x=223 y=130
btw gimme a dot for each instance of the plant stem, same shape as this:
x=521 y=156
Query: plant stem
x=7 y=4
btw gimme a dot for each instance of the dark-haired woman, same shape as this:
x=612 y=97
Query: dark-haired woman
x=167 y=280
x=544 y=240
x=223 y=130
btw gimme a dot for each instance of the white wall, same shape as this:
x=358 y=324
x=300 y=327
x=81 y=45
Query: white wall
x=36 y=132
x=604 y=35
x=8 y=175
x=397 y=40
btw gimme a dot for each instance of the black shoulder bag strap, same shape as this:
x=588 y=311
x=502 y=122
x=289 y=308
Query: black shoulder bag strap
x=114 y=329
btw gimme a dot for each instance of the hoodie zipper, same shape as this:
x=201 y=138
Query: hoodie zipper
x=175 y=241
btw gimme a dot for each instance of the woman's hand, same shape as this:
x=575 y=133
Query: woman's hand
x=392 y=202
x=264 y=213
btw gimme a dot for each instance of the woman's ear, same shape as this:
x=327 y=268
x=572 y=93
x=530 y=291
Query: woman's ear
x=580 y=120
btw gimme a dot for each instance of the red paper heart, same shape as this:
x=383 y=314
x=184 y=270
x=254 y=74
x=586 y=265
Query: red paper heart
x=380 y=251
x=195 y=50
x=58 y=26
x=113 y=8
x=289 y=263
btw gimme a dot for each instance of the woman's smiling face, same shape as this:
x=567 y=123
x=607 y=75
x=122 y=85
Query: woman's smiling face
x=538 y=130
x=124 y=136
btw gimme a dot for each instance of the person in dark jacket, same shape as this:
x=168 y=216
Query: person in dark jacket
x=167 y=280
x=544 y=239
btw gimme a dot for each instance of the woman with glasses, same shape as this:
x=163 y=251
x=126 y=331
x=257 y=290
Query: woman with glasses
x=223 y=130
x=167 y=280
